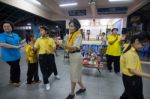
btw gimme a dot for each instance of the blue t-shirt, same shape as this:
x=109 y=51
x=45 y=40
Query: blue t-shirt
x=10 y=54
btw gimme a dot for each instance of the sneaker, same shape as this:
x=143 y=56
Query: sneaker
x=16 y=84
x=48 y=86
x=31 y=82
x=10 y=82
x=118 y=73
x=80 y=91
x=70 y=96
x=39 y=81
x=57 y=77
x=109 y=71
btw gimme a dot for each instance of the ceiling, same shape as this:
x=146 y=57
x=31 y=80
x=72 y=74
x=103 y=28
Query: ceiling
x=91 y=9
x=143 y=12
x=13 y=14
x=50 y=9
x=99 y=3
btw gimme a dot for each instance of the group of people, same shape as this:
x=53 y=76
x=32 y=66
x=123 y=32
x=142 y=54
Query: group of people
x=42 y=50
x=128 y=61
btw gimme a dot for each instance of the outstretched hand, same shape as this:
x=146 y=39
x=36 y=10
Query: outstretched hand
x=23 y=41
x=20 y=46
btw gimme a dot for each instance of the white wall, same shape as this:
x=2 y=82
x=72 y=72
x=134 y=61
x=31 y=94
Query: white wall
x=89 y=25
x=118 y=24
x=101 y=25
x=124 y=22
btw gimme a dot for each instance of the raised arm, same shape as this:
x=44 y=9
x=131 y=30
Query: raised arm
x=112 y=41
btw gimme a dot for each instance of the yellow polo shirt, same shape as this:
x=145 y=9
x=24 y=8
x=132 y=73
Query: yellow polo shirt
x=115 y=48
x=45 y=45
x=125 y=45
x=31 y=55
x=130 y=60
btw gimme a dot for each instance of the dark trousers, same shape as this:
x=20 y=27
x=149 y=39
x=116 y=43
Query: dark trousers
x=32 y=73
x=46 y=66
x=14 y=71
x=54 y=64
x=115 y=60
x=133 y=87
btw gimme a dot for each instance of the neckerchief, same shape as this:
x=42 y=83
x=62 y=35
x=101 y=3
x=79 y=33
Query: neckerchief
x=72 y=37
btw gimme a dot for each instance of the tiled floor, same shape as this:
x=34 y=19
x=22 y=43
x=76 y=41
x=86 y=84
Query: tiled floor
x=99 y=86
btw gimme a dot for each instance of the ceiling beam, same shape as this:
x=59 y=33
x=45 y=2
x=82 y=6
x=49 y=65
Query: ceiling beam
x=137 y=5
x=27 y=16
x=53 y=6
x=12 y=14
x=3 y=7
x=29 y=7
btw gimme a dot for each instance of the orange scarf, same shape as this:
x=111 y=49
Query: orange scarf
x=72 y=37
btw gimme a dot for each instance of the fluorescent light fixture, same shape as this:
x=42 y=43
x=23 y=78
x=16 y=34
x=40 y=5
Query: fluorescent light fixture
x=68 y=4
x=36 y=2
x=119 y=0
x=28 y=23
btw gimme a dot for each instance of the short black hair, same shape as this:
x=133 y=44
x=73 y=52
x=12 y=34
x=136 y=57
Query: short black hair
x=44 y=28
x=114 y=29
x=103 y=33
x=143 y=37
x=9 y=22
x=76 y=23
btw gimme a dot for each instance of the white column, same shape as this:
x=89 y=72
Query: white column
x=124 y=22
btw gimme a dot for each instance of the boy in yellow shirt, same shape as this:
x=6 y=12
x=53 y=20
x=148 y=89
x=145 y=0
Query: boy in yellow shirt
x=32 y=61
x=131 y=68
x=45 y=47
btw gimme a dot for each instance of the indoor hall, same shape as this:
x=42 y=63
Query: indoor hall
x=99 y=86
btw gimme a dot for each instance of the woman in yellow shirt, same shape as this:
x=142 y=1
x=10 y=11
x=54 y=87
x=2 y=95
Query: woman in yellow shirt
x=132 y=72
x=113 y=51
